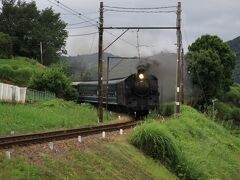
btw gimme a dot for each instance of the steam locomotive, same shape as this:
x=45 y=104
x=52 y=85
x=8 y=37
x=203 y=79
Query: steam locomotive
x=137 y=93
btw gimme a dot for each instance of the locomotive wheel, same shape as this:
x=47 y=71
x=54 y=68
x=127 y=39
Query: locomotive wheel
x=141 y=114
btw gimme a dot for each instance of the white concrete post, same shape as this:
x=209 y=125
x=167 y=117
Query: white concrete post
x=50 y=145
x=103 y=134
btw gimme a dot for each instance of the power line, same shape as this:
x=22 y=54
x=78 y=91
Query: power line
x=127 y=42
x=163 y=7
x=86 y=34
x=73 y=12
x=81 y=15
x=80 y=27
x=126 y=11
x=74 y=24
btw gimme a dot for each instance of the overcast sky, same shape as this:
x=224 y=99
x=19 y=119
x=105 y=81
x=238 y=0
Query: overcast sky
x=218 y=17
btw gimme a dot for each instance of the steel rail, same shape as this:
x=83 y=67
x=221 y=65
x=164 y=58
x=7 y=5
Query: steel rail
x=26 y=139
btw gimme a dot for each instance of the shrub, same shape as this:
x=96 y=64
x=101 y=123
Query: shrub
x=236 y=115
x=54 y=80
x=155 y=143
x=224 y=111
x=5 y=46
x=23 y=75
x=167 y=109
x=6 y=72
x=233 y=95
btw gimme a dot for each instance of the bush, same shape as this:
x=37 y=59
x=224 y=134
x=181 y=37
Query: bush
x=55 y=80
x=5 y=46
x=224 y=111
x=23 y=75
x=167 y=109
x=6 y=72
x=236 y=115
x=155 y=143
x=227 y=112
x=233 y=95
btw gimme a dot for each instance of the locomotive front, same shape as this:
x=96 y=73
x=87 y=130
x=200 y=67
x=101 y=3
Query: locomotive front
x=142 y=91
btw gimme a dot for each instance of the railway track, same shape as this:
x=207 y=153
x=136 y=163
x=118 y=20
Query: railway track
x=34 y=138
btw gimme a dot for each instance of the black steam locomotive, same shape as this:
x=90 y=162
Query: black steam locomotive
x=137 y=93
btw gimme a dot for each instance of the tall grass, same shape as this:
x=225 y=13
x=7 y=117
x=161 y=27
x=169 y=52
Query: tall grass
x=191 y=145
x=167 y=109
x=46 y=115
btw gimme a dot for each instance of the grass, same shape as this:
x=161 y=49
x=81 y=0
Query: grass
x=19 y=70
x=46 y=115
x=112 y=161
x=191 y=145
x=22 y=62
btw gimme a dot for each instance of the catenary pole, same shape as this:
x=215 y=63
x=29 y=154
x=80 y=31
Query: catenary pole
x=41 y=52
x=182 y=76
x=100 y=65
x=178 y=73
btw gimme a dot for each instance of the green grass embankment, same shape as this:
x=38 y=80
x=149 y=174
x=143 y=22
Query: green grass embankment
x=112 y=161
x=18 y=70
x=46 y=115
x=192 y=145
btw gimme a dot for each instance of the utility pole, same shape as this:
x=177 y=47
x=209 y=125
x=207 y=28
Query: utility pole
x=107 y=84
x=100 y=65
x=182 y=77
x=41 y=52
x=179 y=44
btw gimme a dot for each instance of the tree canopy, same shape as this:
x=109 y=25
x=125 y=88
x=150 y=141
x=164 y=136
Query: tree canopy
x=210 y=63
x=5 y=45
x=28 y=26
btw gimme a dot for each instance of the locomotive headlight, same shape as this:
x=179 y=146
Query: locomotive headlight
x=141 y=76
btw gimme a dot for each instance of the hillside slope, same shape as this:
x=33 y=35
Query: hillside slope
x=108 y=161
x=235 y=46
x=192 y=145
x=18 y=70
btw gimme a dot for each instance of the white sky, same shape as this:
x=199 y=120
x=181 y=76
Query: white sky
x=218 y=17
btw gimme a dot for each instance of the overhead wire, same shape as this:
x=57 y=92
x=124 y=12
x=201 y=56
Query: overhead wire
x=90 y=21
x=90 y=51
x=81 y=15
x=74 y=24
x=74 y=12
x=80 y=27
x=163 y=7
x=85 y=34
x=126 y=11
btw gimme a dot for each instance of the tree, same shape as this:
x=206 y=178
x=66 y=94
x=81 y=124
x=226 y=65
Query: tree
x=210 y=63
x=51 y=32
x=5 y=45
x=28 y=27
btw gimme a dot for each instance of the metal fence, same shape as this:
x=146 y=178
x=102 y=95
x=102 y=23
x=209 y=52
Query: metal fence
x=34 y=95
